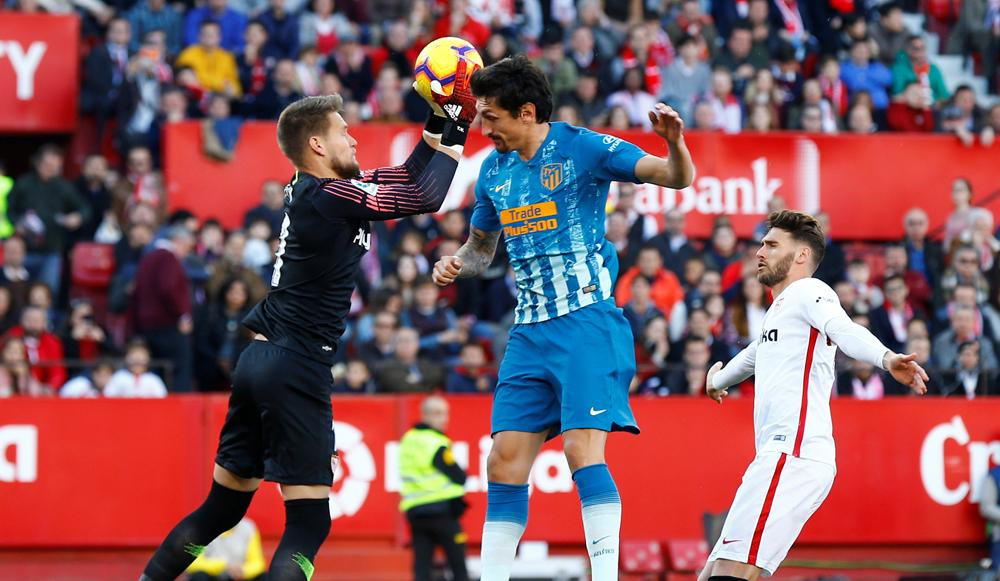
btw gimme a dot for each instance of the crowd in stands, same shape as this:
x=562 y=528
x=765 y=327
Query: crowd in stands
x=735 y=65
x=170 y=318
x=170 y=314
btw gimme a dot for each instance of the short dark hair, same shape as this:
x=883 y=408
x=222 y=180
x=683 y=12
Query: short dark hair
x=828 y=59
x=968 y=345
x=515 y=81
x=965 y=248
x=210 y=22
x=103 y=363
x=885 y=9
x=743 y=25
x=422 y=281
x=47 y=149
x=803 y=228
x=893 y=277
x=689 y=39
x=302 y=119
x=647 y=248
x=963 y=285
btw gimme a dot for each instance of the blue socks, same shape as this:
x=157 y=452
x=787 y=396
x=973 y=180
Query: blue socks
x=507 y=502
x=595 y=485
x=506 y=516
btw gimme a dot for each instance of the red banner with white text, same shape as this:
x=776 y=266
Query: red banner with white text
x=866 y=183
x=121 y=472
x=39 y=72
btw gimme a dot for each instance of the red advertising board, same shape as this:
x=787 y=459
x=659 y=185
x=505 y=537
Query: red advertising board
x=866 y=183
x=39 y=72
x=121 y=472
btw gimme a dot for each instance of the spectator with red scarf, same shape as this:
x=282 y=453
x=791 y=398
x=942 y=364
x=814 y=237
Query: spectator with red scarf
x=141 y=184
x=453 y=19
x=256 y=60
x=802 y=25
x=44 y=349
x=912 y=65
x=727 y=107
x=834 y=89
x=322 y=27
x=650 y=55
x=889 y=321
x=692 y=20
x=16 y=376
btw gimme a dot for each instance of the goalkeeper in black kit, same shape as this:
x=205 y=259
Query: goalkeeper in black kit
x=278 y=426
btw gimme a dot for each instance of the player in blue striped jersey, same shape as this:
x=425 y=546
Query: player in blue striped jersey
x=569 y=359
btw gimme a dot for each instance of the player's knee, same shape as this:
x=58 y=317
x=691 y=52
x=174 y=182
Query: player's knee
x=503 y=465
x=225 y=507
x=580 y=453
x=310 y=519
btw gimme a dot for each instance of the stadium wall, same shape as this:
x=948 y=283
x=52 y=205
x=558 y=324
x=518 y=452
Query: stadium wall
x=106 y=473
x=865 y=182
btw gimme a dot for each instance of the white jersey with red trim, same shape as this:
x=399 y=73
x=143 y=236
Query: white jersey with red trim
x=794 y=369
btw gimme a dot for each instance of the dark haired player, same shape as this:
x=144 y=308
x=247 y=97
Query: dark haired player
x=793 y=431
x=279 y=422
x=570 y=357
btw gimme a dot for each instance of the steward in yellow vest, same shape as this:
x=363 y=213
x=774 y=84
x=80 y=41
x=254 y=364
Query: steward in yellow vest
x=433 y=491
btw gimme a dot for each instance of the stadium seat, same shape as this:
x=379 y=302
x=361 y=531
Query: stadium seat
x=91 y=268
x=686 y=554
x=92 y=265
x=641 y=559
x=873 y=254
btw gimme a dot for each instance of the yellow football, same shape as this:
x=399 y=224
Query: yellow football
x=439 y=62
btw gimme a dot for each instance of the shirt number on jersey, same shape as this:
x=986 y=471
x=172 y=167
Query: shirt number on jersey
x=276 y=275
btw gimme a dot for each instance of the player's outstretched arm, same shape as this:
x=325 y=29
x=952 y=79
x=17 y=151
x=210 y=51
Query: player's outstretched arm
x=676 y=170
x=858 y=342
x=417 y=190
x=471 y=260
x=737 y=370
x=827 y=316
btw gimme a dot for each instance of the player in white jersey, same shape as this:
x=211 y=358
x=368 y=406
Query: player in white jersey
x=793 y=363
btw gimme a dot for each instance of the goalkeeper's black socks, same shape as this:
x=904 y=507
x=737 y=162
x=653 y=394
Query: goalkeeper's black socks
x=221 y=511
x=307 y=523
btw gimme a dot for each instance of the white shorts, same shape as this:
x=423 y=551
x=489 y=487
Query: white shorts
x=777 y=496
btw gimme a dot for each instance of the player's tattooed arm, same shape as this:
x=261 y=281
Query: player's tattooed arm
x=477 y=252
x=471 y=260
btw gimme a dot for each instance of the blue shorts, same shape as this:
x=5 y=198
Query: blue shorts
x=566 y=373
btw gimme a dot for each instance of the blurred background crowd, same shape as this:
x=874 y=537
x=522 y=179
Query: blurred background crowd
x=167 y=319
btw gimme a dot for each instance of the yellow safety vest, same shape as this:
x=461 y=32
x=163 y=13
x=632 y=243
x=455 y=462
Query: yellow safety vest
x=422 y=482
x=6 y=228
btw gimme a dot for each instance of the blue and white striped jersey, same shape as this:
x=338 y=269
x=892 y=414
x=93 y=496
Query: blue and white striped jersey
x=551 y=211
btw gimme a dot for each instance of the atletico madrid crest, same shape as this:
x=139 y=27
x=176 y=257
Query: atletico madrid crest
x=552 y=175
